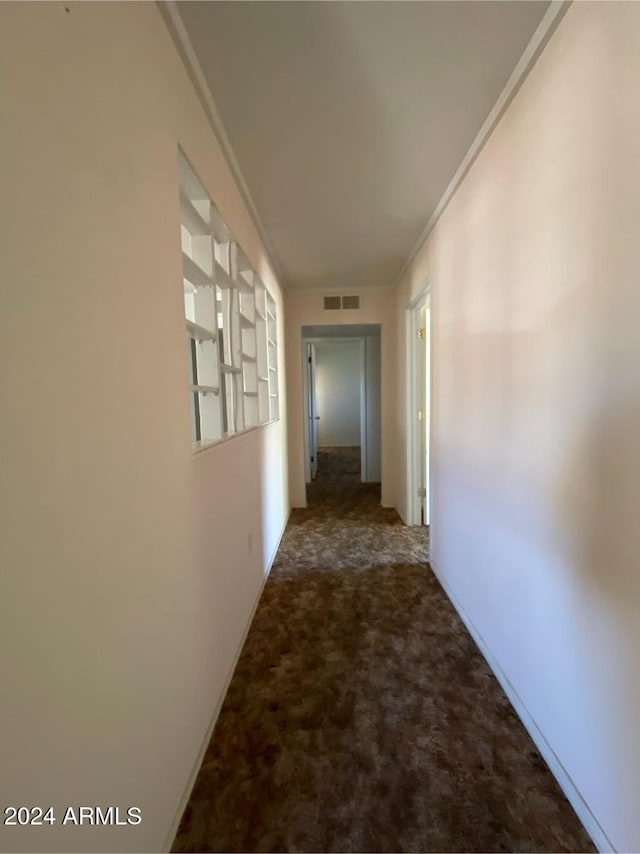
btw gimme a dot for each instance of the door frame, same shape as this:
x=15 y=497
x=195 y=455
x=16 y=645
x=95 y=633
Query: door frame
x=414 y=443
x=311 y=407
x=363 y=399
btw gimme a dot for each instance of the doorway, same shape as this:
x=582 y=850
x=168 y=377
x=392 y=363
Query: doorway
x=419 y=409
x=341 y=370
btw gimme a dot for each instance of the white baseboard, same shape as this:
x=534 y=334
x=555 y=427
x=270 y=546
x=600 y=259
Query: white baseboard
x=166 y=848
x=273 y=555
x=403 y=517
x=571 y=791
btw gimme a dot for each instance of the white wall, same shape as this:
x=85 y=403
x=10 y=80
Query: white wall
x=372 y=403
x=338 y=382
x=305 y=309
x=536 y=448
x=127 y=573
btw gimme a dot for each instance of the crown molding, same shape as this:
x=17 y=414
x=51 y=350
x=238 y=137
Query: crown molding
x=547 y=26
x=178 y=32
x=545 y=29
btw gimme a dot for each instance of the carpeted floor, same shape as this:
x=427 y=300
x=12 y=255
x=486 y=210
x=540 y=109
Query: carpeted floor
x=339 y=463
x=361 y=716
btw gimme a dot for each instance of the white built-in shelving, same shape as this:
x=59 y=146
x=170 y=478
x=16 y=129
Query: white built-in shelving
x=199 y=332
x=205 y=389
x=191 y=218
x=231 y=324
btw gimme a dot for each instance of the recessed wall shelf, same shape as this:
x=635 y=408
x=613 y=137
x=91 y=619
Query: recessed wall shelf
x=205 y=389
x=230 y=322
x=219 y=230
x=191 y=219
x=199 y=332
x=194 y=273
x=223 y=279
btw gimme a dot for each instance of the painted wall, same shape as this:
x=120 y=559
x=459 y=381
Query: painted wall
x=536 y=447
x=338 y=381
x=305 y=309
x=372 y=404
x=129 y=567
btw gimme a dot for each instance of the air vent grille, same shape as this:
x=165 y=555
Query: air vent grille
x=341 y=303
x=351 y=302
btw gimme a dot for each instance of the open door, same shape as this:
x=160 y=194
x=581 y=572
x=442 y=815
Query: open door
x=312 y=410
x=424 y=371
x=418 y=409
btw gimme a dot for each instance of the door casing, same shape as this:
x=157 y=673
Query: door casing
x=306 y=414
x=312 y=411
x=418 y=397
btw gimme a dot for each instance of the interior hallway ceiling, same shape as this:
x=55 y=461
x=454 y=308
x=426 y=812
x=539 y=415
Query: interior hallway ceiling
x=349 y=119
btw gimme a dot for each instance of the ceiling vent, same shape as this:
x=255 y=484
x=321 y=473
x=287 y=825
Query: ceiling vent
x=341 y=303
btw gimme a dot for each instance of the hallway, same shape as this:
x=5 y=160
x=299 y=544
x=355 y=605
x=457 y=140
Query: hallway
x=361 y=716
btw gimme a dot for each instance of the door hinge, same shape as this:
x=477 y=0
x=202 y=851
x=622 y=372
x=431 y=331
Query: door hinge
x=422 y=492
x=422 y=415
x=309 y=360
x=313 y=459
x=421 y=334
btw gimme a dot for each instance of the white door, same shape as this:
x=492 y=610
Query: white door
x=424 y=353
x=418 y=410
x=313 y=410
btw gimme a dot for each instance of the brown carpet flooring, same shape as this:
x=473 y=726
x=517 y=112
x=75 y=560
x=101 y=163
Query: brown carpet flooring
x=361 y=716
x=339 y=463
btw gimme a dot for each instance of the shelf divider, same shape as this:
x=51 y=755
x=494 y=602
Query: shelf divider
x=205 y=389
x=200 y=333
x=223 y=279
x=194 y=273
x=191 y=219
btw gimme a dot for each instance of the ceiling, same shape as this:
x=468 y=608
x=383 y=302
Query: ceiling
x=349 y=119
